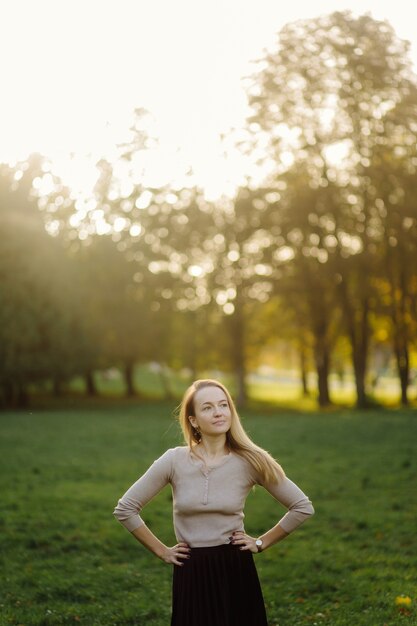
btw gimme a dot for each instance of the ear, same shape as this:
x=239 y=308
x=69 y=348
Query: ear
x=192 y=421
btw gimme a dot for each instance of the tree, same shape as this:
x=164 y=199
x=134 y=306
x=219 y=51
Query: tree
x=394 y=173
x=304 y=276
x=319 y=102
x=41 y=337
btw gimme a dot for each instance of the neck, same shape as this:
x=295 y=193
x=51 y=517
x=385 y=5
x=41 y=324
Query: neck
x=214 y=446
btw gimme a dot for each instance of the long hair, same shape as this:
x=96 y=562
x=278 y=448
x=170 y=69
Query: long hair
x=236 y=438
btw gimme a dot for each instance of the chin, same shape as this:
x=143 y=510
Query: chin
x=222 y=429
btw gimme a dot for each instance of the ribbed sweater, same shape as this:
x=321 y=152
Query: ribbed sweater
x=208 y=502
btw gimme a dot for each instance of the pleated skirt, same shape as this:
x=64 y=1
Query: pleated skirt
x=217 y=586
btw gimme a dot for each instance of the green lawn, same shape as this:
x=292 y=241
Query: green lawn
x=67 y=561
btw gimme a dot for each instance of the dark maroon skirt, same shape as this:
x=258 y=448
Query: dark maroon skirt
x=217 y=586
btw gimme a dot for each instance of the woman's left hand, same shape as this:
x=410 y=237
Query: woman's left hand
x=239 y=538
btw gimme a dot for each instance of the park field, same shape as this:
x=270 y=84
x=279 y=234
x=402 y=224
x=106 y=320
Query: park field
x=66 y=560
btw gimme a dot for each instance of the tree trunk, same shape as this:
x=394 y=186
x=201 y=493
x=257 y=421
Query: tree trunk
x=403 y=366
x=399 y=315
x=359 y=366
x=403 y=360
x=8 y=393
x=128 y=371
x=357 y=327
x=361 y=357
x=303 y=370
x=322 y=359
x=241 y=395
x=320 y=330
x=22 y=397
x=238 y=354
x=90 y=384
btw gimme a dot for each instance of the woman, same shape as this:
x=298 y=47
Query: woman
x=215 y=582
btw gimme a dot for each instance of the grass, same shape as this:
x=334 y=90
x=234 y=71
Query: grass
x=67 y=561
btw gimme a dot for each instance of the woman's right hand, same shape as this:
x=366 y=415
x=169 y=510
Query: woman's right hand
x=179 y=551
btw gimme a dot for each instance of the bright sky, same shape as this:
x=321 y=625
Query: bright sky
x=73 y=70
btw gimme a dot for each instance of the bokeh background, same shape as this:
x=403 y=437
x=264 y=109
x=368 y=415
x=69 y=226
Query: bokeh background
x=207 y=189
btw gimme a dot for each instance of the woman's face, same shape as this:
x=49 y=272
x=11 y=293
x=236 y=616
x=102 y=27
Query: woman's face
x=212 y=411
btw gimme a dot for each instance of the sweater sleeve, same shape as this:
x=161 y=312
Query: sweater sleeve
x=298 y=504
x=143 y=490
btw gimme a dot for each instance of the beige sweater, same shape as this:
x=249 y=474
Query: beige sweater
x=207 y=502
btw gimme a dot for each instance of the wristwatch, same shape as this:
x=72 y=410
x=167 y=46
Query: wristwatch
x=259 y=544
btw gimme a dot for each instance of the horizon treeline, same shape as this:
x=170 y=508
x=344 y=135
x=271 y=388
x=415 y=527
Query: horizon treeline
x=318 y=248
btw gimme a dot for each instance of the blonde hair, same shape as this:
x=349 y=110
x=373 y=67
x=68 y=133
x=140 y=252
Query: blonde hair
x=236 y=438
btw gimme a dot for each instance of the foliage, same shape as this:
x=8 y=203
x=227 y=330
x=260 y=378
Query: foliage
x=320 y=252
x=330 y=96
x=38 y=317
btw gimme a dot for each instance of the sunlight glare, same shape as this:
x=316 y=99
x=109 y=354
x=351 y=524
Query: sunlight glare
x=337 y=152
x=195 y=271
x=71 y=91
x=144 y=200
x=135 y=230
